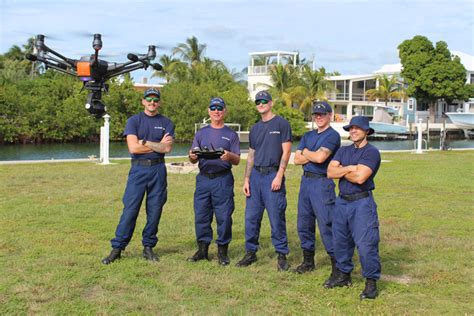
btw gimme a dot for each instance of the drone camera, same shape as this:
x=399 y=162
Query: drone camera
x=96 y=108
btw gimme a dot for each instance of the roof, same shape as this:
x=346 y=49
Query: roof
x=466 y=59
x=389 y=69
x=273 y=53
x=351 y=77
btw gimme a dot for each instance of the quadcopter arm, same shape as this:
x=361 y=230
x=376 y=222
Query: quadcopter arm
x=122 y=70
x=134 y=64
x=53 y=63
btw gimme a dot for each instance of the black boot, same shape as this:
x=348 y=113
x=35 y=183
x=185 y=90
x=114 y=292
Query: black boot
x=202 y=252
x=282 y=262
x=148 y=254
x=308 y=263
x=249 y=258
x=114 y=255
x=370 y=290
x=333 y=272
x=222 y=254
x=340 y=279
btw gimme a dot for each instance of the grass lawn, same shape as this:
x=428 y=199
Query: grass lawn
x=56 y=221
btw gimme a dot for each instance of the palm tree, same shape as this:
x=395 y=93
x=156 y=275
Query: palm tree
x=284 y=77
x=388 y=88
x=259 y=60
x=313 y=85
x=170 y=68
x=191 y=52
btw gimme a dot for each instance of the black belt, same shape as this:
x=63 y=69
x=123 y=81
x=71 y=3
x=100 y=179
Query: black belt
x=355 y=196
x=147 y=162
x=216 y=174
x=308 y=174
x=266 y=170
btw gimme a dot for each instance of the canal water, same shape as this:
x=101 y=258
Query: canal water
x=119 y=150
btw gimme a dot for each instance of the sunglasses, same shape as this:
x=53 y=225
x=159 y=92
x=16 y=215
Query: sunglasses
x=258 y=102
x=319 y=114
x=149 y=99
x=216 y=107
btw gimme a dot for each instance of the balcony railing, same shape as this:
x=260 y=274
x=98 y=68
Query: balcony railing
x=259 y=70
x=355 y=97
x=338 y=96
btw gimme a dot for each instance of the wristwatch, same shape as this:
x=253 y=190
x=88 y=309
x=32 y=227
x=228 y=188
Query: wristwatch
x=143 y=142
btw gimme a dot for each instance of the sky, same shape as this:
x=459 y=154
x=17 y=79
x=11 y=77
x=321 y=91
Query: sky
x=351 y=37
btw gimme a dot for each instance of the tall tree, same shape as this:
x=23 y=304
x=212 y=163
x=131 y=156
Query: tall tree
x=191 y=51
x=170 y=68
x=431 y=72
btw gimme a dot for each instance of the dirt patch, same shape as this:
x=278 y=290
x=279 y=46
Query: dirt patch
x=92 y=293
x=402 y=279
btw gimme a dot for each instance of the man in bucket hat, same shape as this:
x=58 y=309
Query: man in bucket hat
x=355 y=220
x=317 y=196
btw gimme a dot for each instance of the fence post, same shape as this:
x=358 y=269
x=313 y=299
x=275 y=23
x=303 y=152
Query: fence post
x=420 y=138
x=104 y=141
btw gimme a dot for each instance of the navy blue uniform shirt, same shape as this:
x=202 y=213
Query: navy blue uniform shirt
x=266 y=139
x=313 y=140
x=211 y=137
x=350 y=155
x=151 y=128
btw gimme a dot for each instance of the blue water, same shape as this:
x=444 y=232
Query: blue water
x=119 y=150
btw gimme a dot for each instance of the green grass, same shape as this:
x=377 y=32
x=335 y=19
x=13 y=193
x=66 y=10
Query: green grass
x=57 y=219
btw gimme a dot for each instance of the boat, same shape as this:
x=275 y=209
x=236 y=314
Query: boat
x=463 y=119
x=382 y=123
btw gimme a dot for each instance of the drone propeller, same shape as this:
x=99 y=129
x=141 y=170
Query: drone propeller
x=110 y=55
x=50 y=37
x=86 y=34
x=157 y=46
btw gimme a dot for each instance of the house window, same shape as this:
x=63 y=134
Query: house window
x=411 y=104
x=472 y=79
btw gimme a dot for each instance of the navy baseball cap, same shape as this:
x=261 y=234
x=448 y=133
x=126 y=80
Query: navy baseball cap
x=361 y=122
x=151 y=91
x=263 y=95
x=217 y=101
x=321 y=107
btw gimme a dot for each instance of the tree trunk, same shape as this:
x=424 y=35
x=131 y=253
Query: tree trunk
x=431 y=109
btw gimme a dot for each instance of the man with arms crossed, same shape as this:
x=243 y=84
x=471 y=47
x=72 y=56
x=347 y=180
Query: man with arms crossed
x=317 y=196
x=355 y=220
x=264 y=183
x=149 y=138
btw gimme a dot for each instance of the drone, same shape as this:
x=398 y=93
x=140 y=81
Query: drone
x=91 y=70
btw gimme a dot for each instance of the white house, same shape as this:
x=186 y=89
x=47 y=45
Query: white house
x=350 y=98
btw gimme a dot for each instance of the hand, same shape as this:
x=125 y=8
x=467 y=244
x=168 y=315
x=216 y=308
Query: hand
x=352 y=168
x=167 y=139
x=302 y=153
x=276 y=183
x=246 y=187
x=226 y=156
x=192 y=157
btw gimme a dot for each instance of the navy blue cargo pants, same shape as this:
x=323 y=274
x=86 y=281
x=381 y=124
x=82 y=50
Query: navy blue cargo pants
x=262 y=197
x=142 y=179
x=355 y=223
x=316 y=204
x=214 y=196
